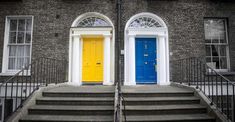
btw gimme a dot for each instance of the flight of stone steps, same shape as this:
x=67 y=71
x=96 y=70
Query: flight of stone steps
x=162 y=104
x=73 y=104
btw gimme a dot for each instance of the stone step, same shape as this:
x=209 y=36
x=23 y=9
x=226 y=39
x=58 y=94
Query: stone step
x=78 y=94
x=171 y=118
x=60 y=118
x=164 y=109
x=70 y=110
x=75 y=101
x=160 y=100
x=158 y=94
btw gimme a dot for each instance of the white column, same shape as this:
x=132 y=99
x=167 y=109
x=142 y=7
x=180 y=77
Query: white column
x=107 y=60
x=70 y=57
x=162 y=67
x=131 y=61
x=126 y=58
x=75 y=61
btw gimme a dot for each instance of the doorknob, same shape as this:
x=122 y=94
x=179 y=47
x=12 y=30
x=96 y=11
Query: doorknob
x=155 y=67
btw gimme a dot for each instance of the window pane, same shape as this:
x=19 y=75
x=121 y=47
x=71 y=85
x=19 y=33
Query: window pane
x=208 y=40
x=11 y=63
x=21 y=25
x=215 y=61
x=215 y=30
x=13 y=25
x=28 y=24
x=20 y=38
x=28 y=37
x=20 y=51
x=27 y=51
x=12 y=37
x=26 y=61
x=224 y=40
x=223 y=63
x=215 y=40
x=208 y=50
x=210 y=63
x=12 y=51
x=20 y=62
x=215 y=50
x=208 y=59
x=223 y=50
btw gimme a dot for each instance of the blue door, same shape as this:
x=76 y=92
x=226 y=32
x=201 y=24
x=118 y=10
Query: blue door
x=145 y=58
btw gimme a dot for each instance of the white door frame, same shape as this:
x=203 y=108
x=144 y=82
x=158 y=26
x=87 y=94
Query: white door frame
x=76 y=45
x=161 y=34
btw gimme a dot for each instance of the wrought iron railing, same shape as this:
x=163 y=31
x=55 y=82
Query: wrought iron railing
x=219 y=89
x=120 y=106
x=16 y=89
x=117 y=103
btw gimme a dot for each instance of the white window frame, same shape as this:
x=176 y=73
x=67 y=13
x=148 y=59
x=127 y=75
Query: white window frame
x=5 y=70
x=227 y=44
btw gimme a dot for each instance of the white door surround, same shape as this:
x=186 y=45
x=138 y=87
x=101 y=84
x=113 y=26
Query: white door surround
x=155 y=27
x=95 y=28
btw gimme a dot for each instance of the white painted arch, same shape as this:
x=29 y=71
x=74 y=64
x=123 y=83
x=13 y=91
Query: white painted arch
x=159 y=32
x=76 y=44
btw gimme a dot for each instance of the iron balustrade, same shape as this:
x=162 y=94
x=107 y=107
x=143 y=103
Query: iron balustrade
x=219 y=89
x=119 y=102
x=16 y=89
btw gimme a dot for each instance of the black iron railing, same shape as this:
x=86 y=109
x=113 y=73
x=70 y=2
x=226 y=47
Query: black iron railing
x=117 y=103
x=18 y=88
x=120 y=106
x=219 y=89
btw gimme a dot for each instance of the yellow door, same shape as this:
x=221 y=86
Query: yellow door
x=92 y=63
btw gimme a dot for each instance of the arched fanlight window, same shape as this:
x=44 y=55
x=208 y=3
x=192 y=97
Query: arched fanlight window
x=145 y=22
x=93 y=22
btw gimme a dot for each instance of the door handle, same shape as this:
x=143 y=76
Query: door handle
x=98 y=63
x=155 y=67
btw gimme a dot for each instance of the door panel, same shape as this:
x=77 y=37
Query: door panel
x=92 y=64
x=145 y=60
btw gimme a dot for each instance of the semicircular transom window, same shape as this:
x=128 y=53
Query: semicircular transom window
x=93 y=22
x=145 y=22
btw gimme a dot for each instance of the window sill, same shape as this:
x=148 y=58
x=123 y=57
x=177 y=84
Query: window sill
x=12 y=73
x=223 y=73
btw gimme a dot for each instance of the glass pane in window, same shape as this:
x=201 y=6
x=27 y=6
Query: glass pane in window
x=27 y=51
x=12 y=50
x=223 y=50
x=28 y=37
x=208 y=50
x=28 y=24
x=20 y=63
x=21 y=25
x=12 y=37
x=208 y=40
x=215 y=40
x=20 y=51
x=223 y=63
x=20 y=38
x=224 y=40
x=215 y=61
x=11 y=63
x=215 y=30
x=208 y=59
x=210 y=63
x=13 y=25
x=26 y=61
x=215 y=50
